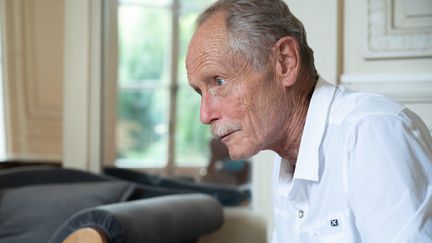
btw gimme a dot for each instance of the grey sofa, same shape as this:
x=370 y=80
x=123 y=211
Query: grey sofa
x=46 y=204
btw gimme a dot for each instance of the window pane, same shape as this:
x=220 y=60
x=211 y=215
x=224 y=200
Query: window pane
x=142 y=131
x=194 y=6
x=147 y=3
x=186 y=29
x=142 y=128
x=143 y=52
x=144 y=61
x=192 y=137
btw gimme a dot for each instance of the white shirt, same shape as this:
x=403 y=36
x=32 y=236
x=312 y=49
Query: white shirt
x=363 y=173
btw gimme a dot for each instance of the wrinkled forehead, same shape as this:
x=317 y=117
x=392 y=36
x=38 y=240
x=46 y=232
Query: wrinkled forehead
x=209 y=39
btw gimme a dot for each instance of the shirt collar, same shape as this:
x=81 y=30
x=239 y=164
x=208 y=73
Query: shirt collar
x=307 y=165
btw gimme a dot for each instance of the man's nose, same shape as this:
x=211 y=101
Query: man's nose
x=209 y=110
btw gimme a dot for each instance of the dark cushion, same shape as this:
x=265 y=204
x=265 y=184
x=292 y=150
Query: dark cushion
x=226 y=195
x=33 y=213
x=33 y=175
x=166 y=219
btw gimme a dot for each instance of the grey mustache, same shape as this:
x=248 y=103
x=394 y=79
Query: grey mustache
x=219 y=130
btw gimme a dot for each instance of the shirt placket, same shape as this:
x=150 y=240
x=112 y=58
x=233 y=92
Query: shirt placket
x=298 y=207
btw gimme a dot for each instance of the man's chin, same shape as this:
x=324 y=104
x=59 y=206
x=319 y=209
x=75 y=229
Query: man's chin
x=238 y=154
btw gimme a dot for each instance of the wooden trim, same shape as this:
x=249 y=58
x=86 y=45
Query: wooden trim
x=3 y=131
x=13 y=70
x=95 y=94
x=109 y=82
x=173 y=87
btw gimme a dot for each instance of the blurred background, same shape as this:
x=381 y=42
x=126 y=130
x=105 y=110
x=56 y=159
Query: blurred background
x=90 y=84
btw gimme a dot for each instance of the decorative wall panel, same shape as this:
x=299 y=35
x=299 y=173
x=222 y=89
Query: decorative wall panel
x=399 y=29
x=34 y=78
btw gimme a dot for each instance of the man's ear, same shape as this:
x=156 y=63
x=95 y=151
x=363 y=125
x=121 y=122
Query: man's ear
x=287 y=54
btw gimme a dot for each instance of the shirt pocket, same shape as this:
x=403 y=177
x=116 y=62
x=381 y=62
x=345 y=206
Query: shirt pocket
x=337 y=228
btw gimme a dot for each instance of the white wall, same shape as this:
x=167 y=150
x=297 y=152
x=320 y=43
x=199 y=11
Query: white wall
x=320 y=19
x=82 y=85
x=262 y=170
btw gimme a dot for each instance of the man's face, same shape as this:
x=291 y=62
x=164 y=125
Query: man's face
x=240 y=103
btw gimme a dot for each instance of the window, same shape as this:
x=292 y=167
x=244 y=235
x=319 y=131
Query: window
x=158 y=114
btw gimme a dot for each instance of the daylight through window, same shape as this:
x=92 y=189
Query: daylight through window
x=152 y=86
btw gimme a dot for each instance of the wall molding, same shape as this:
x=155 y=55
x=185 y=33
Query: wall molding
x=403 y=88
x=386 y=38
x=32 y=97
x=37 y=65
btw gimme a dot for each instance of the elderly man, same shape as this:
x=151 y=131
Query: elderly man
x=353 y=167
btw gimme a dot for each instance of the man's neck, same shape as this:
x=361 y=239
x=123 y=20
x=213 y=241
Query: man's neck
x=296 y=123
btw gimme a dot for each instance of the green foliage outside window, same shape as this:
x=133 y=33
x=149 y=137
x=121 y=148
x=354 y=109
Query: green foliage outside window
x=144 y=58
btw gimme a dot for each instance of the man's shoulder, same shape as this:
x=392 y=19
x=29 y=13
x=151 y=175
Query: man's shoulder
x=350 y=106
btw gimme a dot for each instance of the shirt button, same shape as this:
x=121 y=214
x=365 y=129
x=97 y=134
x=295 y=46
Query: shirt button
x=300 y=214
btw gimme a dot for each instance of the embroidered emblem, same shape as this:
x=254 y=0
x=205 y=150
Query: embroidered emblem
x=334 y=223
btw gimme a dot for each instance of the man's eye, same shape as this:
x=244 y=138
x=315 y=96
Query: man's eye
x=220 y=81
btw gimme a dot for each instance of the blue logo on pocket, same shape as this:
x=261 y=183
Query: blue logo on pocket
x=334 y=223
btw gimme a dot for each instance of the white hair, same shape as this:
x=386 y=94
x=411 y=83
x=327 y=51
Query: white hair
x=255 y=25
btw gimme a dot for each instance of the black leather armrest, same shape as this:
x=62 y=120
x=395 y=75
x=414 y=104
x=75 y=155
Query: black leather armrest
x=36 y=175
x=175 y=218
x=227 y=195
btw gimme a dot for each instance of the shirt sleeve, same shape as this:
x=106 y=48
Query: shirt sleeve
x=389 y=178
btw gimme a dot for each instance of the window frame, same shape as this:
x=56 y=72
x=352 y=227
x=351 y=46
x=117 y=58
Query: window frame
x=3 y=139
x=172 y=87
